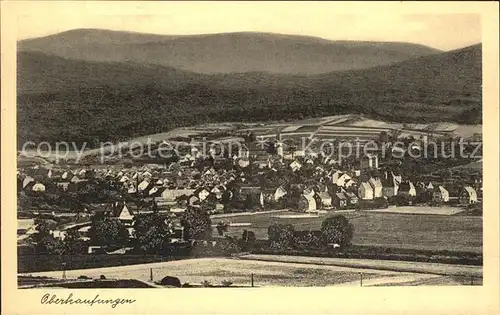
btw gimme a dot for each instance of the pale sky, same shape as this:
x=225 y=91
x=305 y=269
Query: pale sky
x=334 y=21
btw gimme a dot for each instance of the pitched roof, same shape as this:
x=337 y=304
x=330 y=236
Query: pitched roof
x=119 y=207
x=341 y=196
x=365 y=185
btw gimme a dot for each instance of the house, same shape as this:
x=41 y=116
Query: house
x=335 y=177
x=155 y=191
x=194 y=201
x=219 y=207
x=440 y=194
x=468 y=195
x=297 y=153
x=66 y=175
x=155 y=194
x=243 y=151
x=123 y=213
x=63 y=185
x=124 y=179
x=349 y=183
x=369 y=161
x=38 y=187
x=339 y=200
x=202 y=194
x=58 y=234
x=295 y=165
x=309 y=192
x=75 y=179
x=352 y=199
x=143 y=185
x=365 y=191
x=326 y=200
x=27 y=180
x=170 y=195
x=217 y=191
x=244 y=162
x=131 y=189
x=306 y=203
x=309 y=161
x=407 y=189
x=376 y=186
x=390 y=184
x=279 y=193
x=342 y=180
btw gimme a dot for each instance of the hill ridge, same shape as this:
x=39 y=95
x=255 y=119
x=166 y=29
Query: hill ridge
x=225 y=52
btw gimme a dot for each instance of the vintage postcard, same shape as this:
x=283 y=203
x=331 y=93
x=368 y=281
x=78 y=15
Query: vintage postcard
x=306 y=157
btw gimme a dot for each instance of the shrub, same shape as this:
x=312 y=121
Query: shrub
x=171 y=281
x=337 y=230
x=227 y=246
x=281 y=236
x=222 y=228
x=206 y=284
x=226 y=283
x=247 y=240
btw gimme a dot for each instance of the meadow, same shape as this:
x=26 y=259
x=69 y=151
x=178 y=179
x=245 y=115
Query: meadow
x=408 y=231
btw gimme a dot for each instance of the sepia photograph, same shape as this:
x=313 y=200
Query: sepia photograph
x=290 y=147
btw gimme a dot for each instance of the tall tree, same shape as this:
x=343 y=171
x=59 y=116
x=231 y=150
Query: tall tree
x=152 y=231
x=197 y=223
x=109 y=231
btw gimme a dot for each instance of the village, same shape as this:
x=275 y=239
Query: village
x=259 y=177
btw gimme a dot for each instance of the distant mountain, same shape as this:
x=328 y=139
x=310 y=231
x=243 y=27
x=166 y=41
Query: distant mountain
x=225 y=53
x=78 y=100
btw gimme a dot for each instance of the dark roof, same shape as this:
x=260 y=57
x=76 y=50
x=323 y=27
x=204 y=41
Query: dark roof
x=247 y=190
x=404 y=187
x=158 y=192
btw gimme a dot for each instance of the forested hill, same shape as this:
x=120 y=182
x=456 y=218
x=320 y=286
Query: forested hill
x=74 y=100
x=226 y=52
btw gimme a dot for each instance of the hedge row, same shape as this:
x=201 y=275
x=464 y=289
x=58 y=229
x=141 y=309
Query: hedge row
x=476 y=260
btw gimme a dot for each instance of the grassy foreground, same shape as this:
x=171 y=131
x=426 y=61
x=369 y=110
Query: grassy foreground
x=404 y=231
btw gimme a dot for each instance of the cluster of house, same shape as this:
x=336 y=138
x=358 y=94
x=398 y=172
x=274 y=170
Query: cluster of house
x=189 y=182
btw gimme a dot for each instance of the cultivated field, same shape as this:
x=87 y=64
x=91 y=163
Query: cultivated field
x=411 y=231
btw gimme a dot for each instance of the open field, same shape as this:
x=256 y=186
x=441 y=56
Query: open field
x=415 y=231
x=215 y=270
x=389 y=265
x=285 y=271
